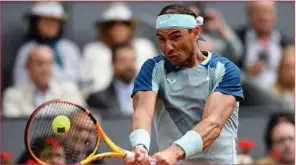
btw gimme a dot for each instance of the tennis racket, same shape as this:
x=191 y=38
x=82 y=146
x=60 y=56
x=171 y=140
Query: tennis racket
x=78 y=145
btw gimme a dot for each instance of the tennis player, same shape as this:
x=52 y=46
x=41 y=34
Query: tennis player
x=200 y=94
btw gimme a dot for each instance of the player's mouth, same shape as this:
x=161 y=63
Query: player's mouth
x=173 y=58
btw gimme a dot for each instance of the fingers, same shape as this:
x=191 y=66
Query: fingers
x=141 y=156
x=162 y=159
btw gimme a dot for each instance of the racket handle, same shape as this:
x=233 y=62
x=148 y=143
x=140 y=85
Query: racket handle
x=130 y=156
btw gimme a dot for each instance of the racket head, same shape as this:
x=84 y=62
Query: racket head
x=80 y=143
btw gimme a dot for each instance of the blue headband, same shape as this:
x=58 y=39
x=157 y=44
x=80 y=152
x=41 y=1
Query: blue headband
x=177 y=20
x=186 y=21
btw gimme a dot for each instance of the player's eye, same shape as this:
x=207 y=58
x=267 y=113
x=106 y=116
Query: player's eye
x=176 y=37
x=161 y=39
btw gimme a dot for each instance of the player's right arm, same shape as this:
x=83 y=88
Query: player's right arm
x=144 y=105
x=144 y=99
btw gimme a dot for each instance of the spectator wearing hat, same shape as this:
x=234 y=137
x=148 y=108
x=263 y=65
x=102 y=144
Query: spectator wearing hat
x=117 y=26
x=46 y=20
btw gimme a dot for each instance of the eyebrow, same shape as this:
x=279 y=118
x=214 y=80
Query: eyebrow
x=175 y=32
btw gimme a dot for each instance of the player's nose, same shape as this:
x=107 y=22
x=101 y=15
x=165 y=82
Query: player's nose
x=169 y=47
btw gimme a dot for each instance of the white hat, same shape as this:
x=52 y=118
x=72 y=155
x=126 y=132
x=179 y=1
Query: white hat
x=48 y=9
x=117 y=11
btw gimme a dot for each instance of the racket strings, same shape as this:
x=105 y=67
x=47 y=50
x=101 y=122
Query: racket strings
x=40 y=147
x=73 y=145
x=87 y=137
x=76 y=154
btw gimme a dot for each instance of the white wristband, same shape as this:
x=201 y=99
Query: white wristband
x=191 y=143
x=140 y=137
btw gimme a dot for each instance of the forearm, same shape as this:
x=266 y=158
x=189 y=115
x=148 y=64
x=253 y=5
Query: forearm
x=141 y=120
x=203 y=136
x=209 y=130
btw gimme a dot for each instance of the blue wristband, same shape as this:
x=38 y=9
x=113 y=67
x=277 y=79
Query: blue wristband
x=140 y=137
x=191 y=143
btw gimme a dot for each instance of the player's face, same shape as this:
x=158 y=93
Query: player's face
x=177 y=44
x=283 y=141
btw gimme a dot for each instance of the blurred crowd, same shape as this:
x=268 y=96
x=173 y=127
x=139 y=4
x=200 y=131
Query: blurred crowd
x=100 y=76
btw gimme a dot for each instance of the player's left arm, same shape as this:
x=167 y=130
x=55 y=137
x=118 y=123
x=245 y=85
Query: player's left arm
x=218 y=108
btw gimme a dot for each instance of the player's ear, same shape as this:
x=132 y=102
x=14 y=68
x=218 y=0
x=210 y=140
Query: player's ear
x=196 y=32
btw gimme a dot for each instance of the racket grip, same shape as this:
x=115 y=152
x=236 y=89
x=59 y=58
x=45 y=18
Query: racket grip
x=130 y=156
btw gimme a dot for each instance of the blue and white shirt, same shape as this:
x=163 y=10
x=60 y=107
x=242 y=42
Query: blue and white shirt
x=182 y=94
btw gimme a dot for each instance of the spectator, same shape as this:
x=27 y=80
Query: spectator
x=116 y=98
x=116 y=26
x=279 y=140
x=285 y=85
x=219 y=36
x=46 y=21
x=262 y=42
x=47 y=149
x=22 y=99
x=244 y=148
x=6 y=158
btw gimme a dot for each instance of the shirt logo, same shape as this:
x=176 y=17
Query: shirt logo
x=171 y=82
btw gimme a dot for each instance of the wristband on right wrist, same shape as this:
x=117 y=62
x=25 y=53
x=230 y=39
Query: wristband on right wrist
x=140 y=137
x=191 y=143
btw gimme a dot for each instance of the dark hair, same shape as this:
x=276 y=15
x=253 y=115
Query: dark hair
x=118 y=46
x=177 y=9
x=274 y=120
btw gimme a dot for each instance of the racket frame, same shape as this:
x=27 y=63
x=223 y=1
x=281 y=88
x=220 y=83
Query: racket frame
x=117 y=151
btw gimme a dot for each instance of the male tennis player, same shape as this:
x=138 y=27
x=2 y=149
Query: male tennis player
x=200 y=92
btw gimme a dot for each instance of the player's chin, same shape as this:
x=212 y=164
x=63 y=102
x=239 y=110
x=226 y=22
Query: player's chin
x=175 y=62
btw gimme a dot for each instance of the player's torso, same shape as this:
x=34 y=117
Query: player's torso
x=181 y=99
x=184 y=94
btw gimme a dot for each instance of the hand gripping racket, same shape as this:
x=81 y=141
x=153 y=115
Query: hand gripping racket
x=74 y=139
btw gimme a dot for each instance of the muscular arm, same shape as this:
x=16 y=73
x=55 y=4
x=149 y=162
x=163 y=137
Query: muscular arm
x=217 y=110
x=144 y=105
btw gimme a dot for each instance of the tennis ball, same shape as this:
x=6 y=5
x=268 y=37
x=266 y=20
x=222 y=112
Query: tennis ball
x=61 y=124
